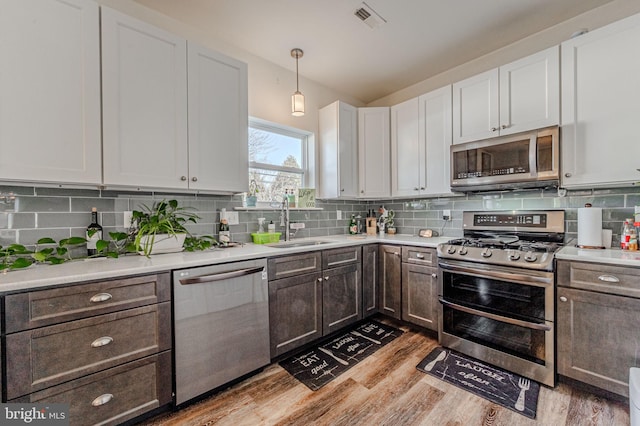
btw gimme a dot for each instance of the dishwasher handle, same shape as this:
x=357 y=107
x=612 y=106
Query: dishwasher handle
x=221 y=276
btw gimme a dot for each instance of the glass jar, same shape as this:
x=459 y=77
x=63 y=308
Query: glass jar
x=629 y=236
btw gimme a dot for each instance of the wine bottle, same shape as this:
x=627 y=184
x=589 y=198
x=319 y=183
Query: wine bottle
x=94 y=233
x=224 y=235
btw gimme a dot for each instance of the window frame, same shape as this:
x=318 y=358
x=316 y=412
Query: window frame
x=307 y=155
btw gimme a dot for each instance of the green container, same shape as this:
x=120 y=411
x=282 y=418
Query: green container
x=265 y=238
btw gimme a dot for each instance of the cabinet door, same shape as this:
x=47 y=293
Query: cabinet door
x=407 y=150
x=475 y=107
x=144 y=101
x=370 y=280
x=341 y=297
x=598 y=338
x=435 y=136
x=600 y=107
x=390 y=275
x=50 y=86
x=295 y=312
x=338 y=125
x=374 y=163
x=530 y=92
x=218 y=121
x=420 y=295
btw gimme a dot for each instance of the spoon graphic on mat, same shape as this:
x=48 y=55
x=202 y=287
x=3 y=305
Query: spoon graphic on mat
x=441 y=356
x=355 y=333
x=328 y=352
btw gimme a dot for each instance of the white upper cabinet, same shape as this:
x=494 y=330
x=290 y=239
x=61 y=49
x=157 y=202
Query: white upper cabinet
x=144 y=81
x=435 y=132
x=338 y=151
x=218 y=121
x=516 y=97
x=420 y=145
x=601 y=107
x=50 y=91
x=374 y=163
x=408 y=159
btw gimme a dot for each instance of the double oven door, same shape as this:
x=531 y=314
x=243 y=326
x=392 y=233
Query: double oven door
x=501 y=315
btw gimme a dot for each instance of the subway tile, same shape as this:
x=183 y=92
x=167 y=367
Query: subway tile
x=63 y=220
x=8 y=237
x=42 y=204
x=429 y=214
x=538 y=203
x=66 y=192
x=86 y=204
x=31 y=236
x=17 y=190
x=17 y=220
x=468 y=205
x=501 y=204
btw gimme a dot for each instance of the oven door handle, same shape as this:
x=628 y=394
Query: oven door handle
x=520 y=323
x=479 y=271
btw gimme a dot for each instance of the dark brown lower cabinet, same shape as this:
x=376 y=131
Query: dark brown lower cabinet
x=305 y=307
x=295 y=312
x=597 y=324
x=420 y=295
x=115 y=395
x=370 y=282
x=103 y=347
x=390 y=276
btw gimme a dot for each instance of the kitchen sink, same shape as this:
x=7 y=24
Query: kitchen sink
x=289 y=244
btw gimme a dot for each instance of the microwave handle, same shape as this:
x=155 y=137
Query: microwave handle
x=533 y=155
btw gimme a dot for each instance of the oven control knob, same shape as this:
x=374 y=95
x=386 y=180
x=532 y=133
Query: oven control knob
x=463 y=250
x=514 y=256
x=486 y=252
x=451 y=250
x=530 y=256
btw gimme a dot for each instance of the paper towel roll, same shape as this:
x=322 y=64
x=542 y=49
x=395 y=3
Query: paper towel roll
x=590 y=227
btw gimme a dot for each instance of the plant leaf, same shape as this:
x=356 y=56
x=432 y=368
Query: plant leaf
x=102 y=245
x=55 y=260
x=21 y=262
x=46 y=240
x=39 y=256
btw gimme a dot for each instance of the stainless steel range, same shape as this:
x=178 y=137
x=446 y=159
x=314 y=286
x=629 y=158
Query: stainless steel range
x=496 y=290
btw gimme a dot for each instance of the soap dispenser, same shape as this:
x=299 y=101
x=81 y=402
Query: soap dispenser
x=261 y=225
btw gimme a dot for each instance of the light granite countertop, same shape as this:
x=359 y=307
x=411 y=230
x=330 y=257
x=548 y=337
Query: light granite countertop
x=606 y=256
x=40 y=276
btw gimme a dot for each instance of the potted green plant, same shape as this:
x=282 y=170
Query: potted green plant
x=390 y=223
x=252 y=197
x=161 y=227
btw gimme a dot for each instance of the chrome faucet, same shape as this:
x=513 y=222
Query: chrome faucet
x=284 y=218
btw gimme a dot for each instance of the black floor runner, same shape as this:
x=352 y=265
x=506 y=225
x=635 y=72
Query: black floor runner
x=502 y=387
x=319 y=365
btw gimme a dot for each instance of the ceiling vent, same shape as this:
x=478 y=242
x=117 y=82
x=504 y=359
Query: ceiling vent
x=369 y=16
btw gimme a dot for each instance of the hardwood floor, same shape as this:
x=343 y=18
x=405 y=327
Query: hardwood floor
x=385 y=389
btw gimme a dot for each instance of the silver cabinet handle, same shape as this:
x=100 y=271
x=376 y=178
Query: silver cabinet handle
x=434 y=275
x=362 y=191
x=100 y=297
x=567 y=175
x=419 y=256
x=195 y=179
x=183 y=178
x=326 y=278
x=495 y=129
x=320 y=279
x=341 y=189
x=102 y=399
x=423 y=188
x=519 y=323
x=504 y=126
x=563 y=299
x=416 y=189
x=101 y=341
x=609 y=278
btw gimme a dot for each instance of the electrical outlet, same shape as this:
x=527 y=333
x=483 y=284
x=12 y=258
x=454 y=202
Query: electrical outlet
x=127 y=217
x=338 y=214
x=232 y=217
x=446 y=215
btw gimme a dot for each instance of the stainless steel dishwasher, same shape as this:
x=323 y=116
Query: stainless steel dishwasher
x=221 y=325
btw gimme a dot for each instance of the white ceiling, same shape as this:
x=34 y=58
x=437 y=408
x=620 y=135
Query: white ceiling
x=420 y=39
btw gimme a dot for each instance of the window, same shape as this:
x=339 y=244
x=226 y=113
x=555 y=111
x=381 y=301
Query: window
x=278 y=159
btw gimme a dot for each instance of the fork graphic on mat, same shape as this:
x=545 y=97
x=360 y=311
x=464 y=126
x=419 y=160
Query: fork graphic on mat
x=523 y=384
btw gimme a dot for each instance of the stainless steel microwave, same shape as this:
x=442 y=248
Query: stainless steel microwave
x=523 y=160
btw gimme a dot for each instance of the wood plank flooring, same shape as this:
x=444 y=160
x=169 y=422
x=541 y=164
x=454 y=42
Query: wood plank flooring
x=385 y=389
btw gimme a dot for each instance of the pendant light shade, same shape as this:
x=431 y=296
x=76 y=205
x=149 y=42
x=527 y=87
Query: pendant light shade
x=297 y=99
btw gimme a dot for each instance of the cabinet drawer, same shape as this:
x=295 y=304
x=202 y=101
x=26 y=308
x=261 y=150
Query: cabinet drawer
x=341 y=257
x=297 y=264
x=37 y=359
x=419 y=255
x=47 y=307
x=597 y=277
x=136 y=388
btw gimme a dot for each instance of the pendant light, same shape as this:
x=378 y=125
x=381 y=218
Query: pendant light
x=297 y=99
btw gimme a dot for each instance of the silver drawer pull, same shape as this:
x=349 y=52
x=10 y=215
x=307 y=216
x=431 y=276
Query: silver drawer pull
x=101 y=341
x=609 y=279
x=100 y=297
x=419 y=256
x=102 y=399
